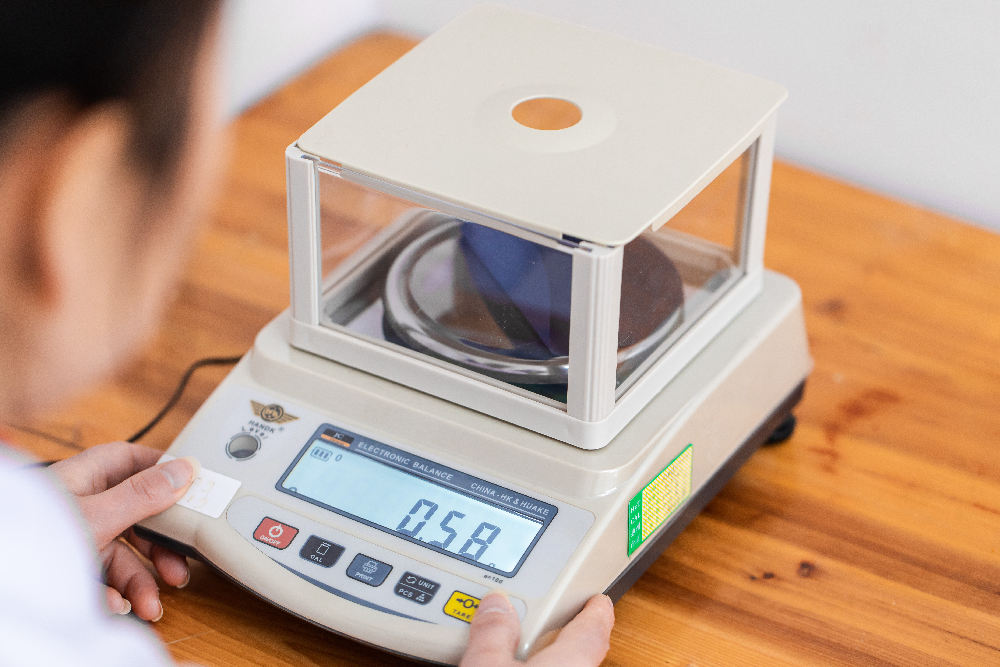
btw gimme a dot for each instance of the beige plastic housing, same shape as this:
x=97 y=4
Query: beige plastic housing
x=716 y=402
x=436 y=130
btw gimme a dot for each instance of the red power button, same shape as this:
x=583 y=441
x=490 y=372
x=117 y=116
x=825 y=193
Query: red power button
x=278 y=535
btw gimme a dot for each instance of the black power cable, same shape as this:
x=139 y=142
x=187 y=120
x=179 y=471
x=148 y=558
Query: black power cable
x=208 y=361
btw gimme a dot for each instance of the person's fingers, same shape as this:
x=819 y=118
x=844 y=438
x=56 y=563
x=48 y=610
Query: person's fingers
x=100 y=467
x=171 y=566
x=140 y=496
x=493 y=633
x=585 y=640
x=116 y=603
x=129 y=576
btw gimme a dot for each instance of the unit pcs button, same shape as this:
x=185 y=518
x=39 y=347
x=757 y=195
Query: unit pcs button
x=368 y=570
x=320 y=551
x=414 y=587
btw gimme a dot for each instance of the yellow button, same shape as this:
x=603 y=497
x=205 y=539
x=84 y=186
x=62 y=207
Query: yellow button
x=461 y=606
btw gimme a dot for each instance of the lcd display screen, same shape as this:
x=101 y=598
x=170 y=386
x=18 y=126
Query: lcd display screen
x=417 y=500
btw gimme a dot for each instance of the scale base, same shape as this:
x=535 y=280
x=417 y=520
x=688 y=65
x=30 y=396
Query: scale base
x=753 y=369
x=779 y=423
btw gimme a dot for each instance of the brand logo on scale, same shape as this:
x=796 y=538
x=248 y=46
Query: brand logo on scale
x=272 y=413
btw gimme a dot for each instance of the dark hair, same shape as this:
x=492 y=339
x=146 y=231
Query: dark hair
x=137 y=52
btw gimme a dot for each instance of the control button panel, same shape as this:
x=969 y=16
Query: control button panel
x=461 y=606
x=368 y=570
x=278 y=535
x=320 y=551
x=342 y=564
x=414 y=587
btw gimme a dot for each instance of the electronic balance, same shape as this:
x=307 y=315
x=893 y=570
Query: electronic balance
x=515 y=358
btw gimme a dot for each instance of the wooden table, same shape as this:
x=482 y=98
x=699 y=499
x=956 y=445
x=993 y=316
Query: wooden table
x=872 y=536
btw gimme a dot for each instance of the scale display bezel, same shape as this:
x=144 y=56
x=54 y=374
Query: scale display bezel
x=473 y=488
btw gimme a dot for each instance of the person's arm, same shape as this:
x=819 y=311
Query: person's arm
x=495 y=631
x=117 y=485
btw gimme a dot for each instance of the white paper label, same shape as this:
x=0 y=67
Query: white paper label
x=210 y=493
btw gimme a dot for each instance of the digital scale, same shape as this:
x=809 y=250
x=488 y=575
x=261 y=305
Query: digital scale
x=515 y=358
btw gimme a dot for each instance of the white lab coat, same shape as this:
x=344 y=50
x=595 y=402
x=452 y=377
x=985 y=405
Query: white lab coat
x=52 y=602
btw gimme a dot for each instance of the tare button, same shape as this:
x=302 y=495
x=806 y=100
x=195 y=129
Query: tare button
x=461 y=606
x=278 y=535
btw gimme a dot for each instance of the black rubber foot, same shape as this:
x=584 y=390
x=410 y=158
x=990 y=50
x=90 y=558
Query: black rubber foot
x=783 y=432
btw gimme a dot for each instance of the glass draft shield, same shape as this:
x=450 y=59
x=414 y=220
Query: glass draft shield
x=482 y=301
x=549 y=239
x=672 y=276
x=495 y=302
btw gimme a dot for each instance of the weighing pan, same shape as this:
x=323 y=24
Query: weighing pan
x=499 y=305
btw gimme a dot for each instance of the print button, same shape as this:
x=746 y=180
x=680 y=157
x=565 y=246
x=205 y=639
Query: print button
x=368 y=570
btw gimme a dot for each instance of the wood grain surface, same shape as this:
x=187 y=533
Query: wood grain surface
x=872 y=536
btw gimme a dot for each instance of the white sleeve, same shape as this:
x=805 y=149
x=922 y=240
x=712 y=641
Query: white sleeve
x=52 y=608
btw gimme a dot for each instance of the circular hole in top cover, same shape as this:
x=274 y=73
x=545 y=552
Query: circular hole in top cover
x=547 y=113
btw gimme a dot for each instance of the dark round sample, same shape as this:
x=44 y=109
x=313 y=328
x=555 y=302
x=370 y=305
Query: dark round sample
x=652 y=291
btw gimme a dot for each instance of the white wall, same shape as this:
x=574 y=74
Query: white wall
x=266 y=42
x=900 y=96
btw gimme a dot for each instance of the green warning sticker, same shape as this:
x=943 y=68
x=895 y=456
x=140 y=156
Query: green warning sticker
x=649 y=508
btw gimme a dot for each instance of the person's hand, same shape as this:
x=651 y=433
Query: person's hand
x=495 y=631
x=115 y=487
